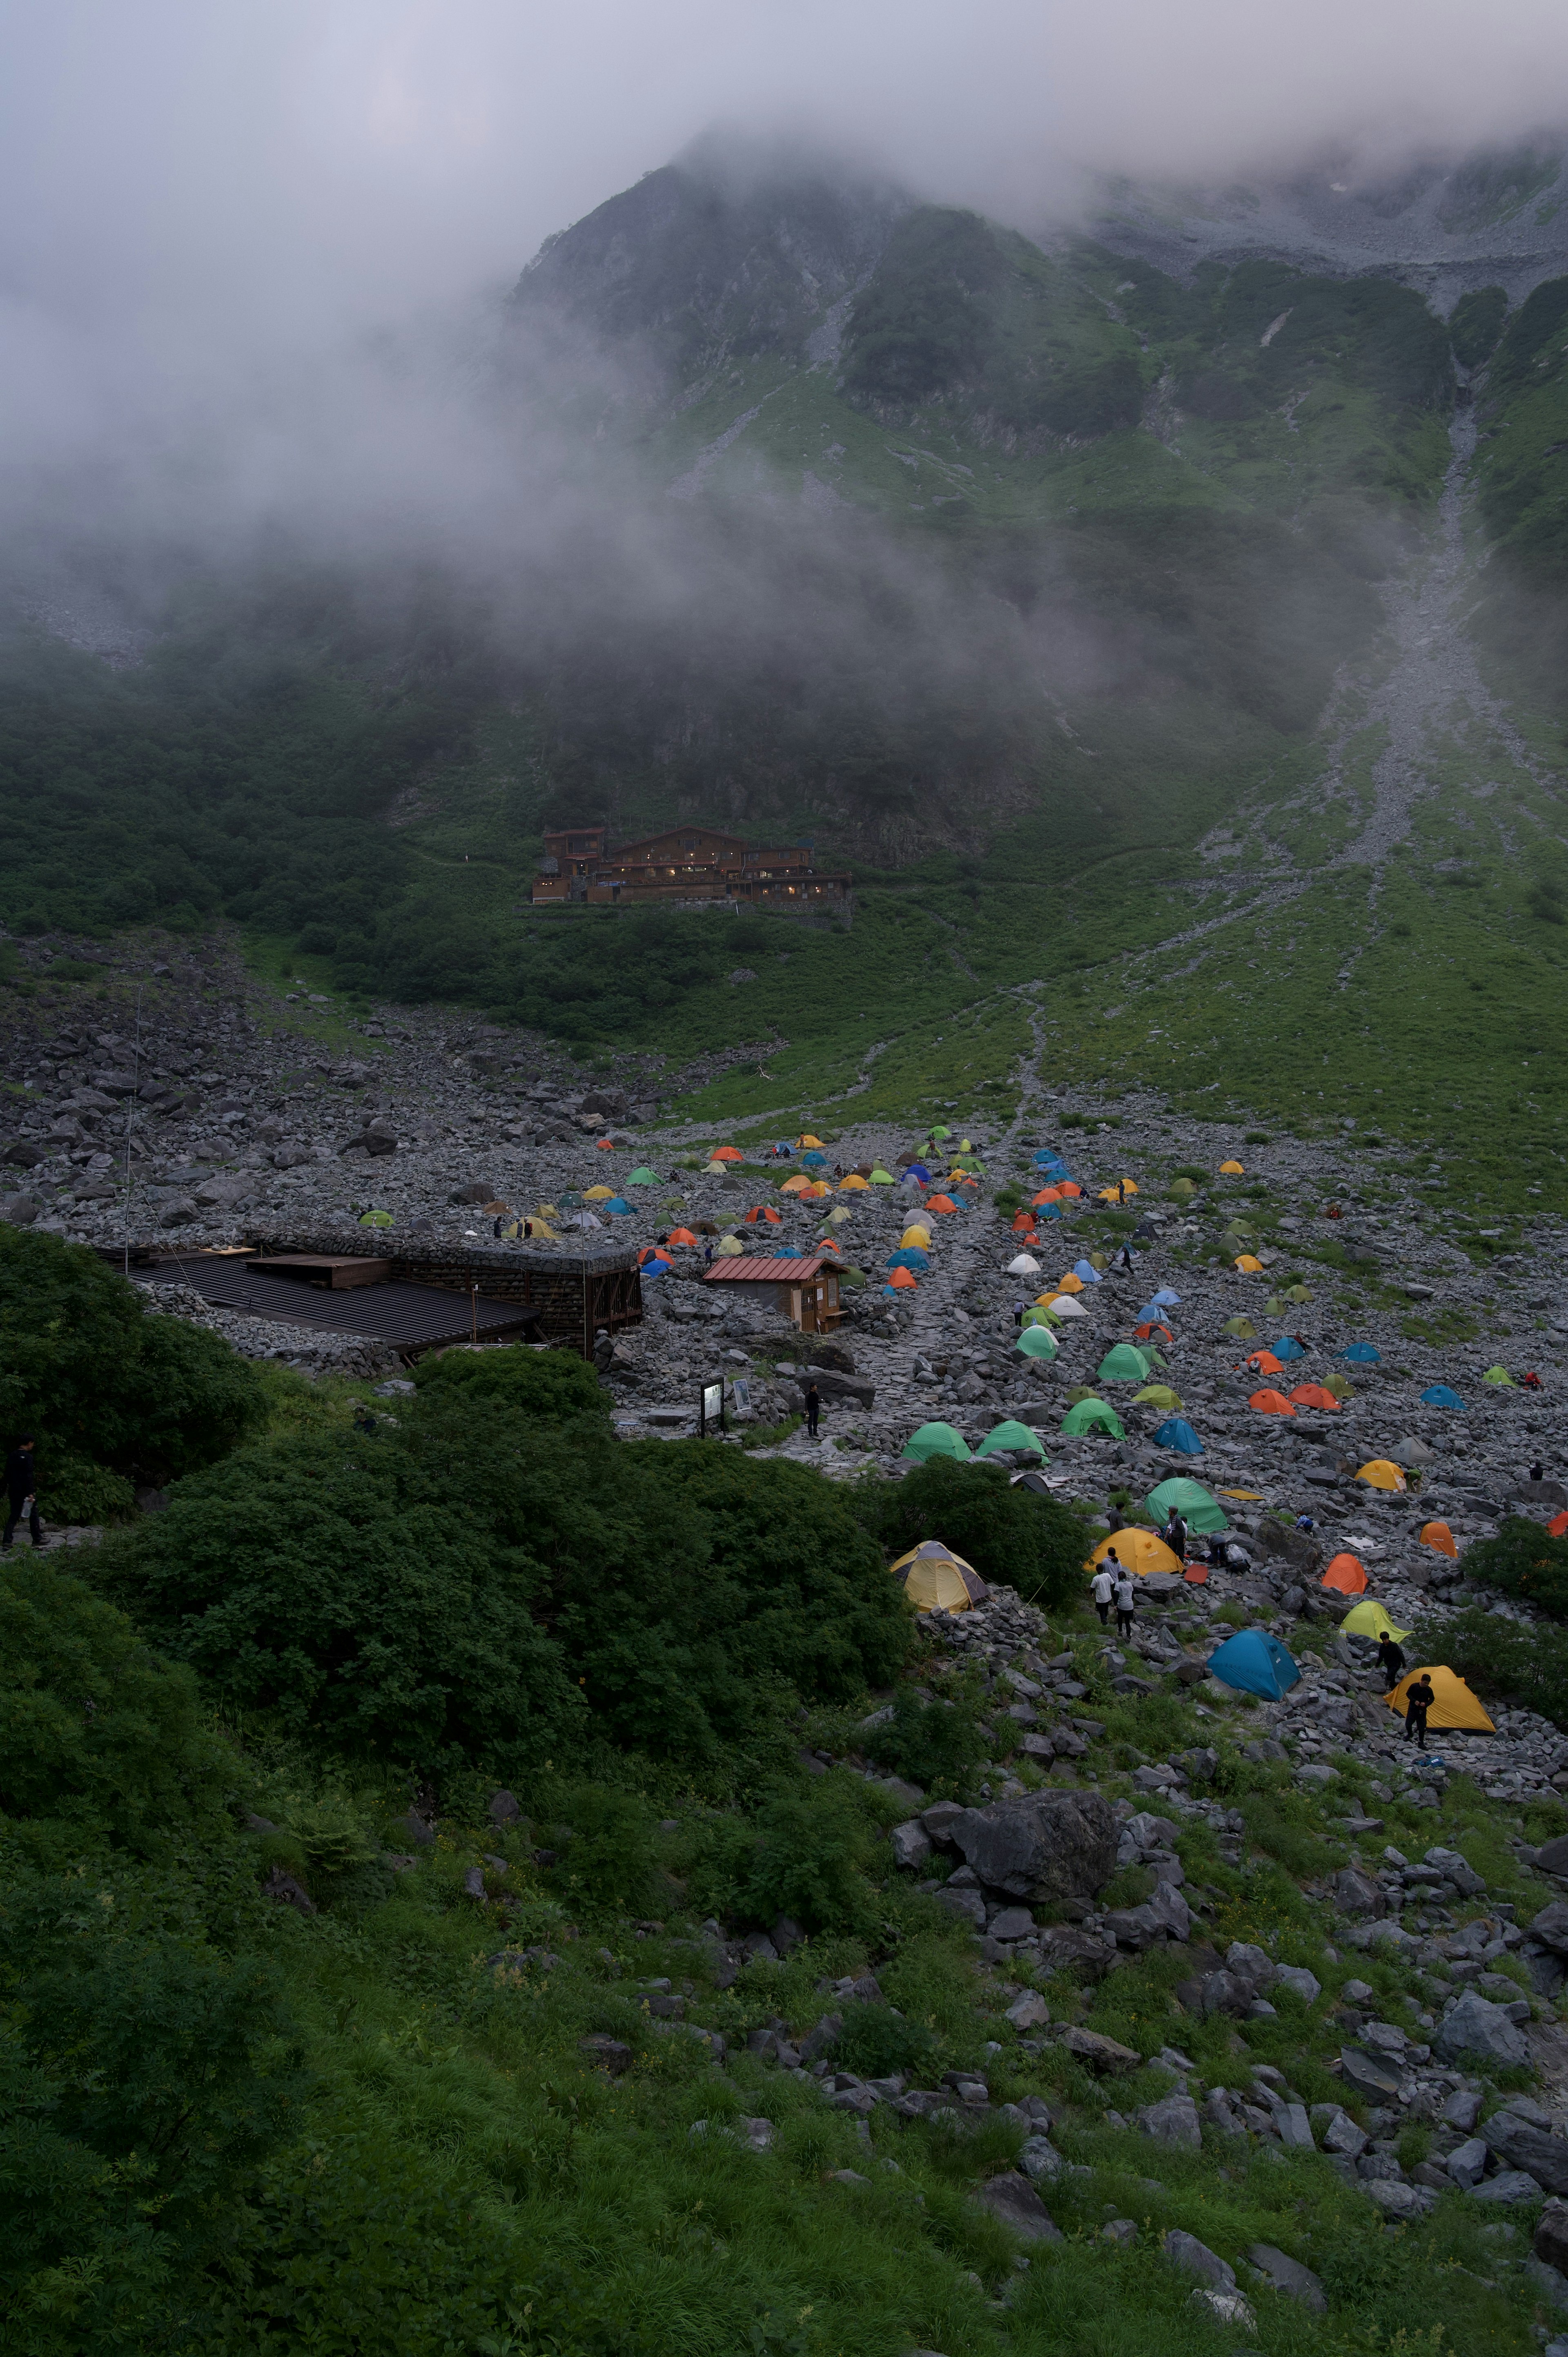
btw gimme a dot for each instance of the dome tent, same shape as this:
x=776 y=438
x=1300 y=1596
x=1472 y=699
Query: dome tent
x=1093 y=1416
x=1156 y=1395
x=1255 y=1663
x=1124 y=1364
x=1011 y=1434
x=936 y=1440
x=1347 y=1575
x=1363 y=1354
x=1380 y=1474
x=1441 y=1395
x=1177 y=1434
x=935 y=1579
x=1142 y=1551
x=1036 y=1343
x=1453 y=1706
x=1201 y=1509
x=1370 y=1619
x=1438 y=1536
x=1287 y=1348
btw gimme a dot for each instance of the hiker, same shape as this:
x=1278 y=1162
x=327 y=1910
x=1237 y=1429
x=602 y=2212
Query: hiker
x=1103 y=1588
x=1537 y=1473
x=814 y=1409
x=1126 y=1600
x=1305 y=1523
x=1018 y=1310
x=21 y=1492
x=1175 y=1535
x=708 y=1254
x=1531 y=1381
x=1418 y=1700
x=1390 y=1659
x=1122 y=1265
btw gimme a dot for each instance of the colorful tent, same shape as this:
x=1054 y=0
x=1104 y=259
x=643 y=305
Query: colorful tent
x=941 y=1203
x=727 y=1154
x=1011 y=1434
x=763 y=1211
x=1347 y=1575
x=1271 y=1402
x=641 y=1177
x=1156 y=1395
x=914 y=1240
x=1123 y=1364
x=807 y=1139
x=1440 y=1395
x=597 y=1194
x=903 y=1280
x=815 y=1161
x=1439 y=1535
x=1256 y=1664
x=1183 y=1188
x=1036 y=1343
x=1297 y=1293
x=1177 y=1434
x=1071 y=1283
x=1287 y=1348
x=1249 y=1265
x=1021 y=1265
x=658 y=1266
x=908 y=1256
x=942 y=1130
x=1231 y=1171
x=936 y=1440
x=1064 y=1305
x=914 y=1170
x=730 y=1247
x=1142 y=1551
x=1265 y=1362
x=1380 y=1474
x=880 y=1178
x=1242 y=1328
x=1498 y=1375
x=1085 y=1272
x=796 y=1186
x=1315 y=1395
x=1363 y=1354
x=1455 y=1706
x=853 y=1184
x=619 y=1206
x=935 y=1579
x=1201 y=1509
x=1370 y=1619
x=375 y=1219
x=1093 y=1416
x=1341 y=1390
x=682 y=1236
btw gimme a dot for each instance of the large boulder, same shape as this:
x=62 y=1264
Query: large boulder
x=1476 y=2025
x=1173 y=2120
x=1550 y=1926
x=1288 y=2274
x=1523 y=2146
x=1012 y=2199
x=1045 y=1846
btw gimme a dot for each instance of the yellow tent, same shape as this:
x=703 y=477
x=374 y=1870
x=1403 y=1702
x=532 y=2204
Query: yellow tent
x=810 y=1140
x=853 y=1182
x=1454 y=1704
x=935 y=1579
x=543 y=1232
x=730 y=1246
x=1140 y=1550
x=597 y=1194
x=547 y=1212
x=1156 y=1395
x=919 y=1239
x=1231 y=1171
x=1070 y=1283
x=1380 y=1475
x=839 y=1213
x=1370 y=1619
x=1249 y=1266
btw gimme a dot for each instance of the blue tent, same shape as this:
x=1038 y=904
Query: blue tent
x=783 y=1146
x=815 y=1161
x=1363 y=1354
x=917 y=1170
x=1440 y=1395
x=908 y=1256
x=1086 y=1271
x=1255 y=1663
x=1287 y=1347
x=1048 y=1211
x=618 y=1203
x=1048 y=1158
x=1177 y=1434
x=654 y=1268
x=1166 y=1299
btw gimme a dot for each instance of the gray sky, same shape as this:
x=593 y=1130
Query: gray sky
x=204 y=203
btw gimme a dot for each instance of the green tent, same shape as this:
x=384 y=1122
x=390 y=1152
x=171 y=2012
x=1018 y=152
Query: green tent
x=936 y=1440
x=1123 y=1364
x=375 y=1219
x=1093 y=1416
x=1156 y=1395
x=1203 y=1511
x=1011 y=1434
x=1242 y=1328
x=1497 y=1375
x=1297 y=1293
x=1036 y=1342
x=880 y=1178
x=1035 y=1316
x=642 y=1176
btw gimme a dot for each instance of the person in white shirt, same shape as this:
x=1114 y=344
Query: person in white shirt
x=1126 y=1601
x=1103 y=1588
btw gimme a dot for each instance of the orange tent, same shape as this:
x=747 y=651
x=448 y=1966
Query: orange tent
x=1048 y=1195
x=1271 y=1404
x=1024 y=1225
x=1069 y=1187
x=763 y=1211
x=941 y=1203
x=1558 y=1525
x=1439 y=1535
x=903 y=1279
x=682 y=1236
x=1144 y=1332
x=1346 y=1575
x=798 y=1185
x=1265 y=1362
x=605 y=1145
x=1314 y=1396
x=1071 y=1284
x=727 y=1154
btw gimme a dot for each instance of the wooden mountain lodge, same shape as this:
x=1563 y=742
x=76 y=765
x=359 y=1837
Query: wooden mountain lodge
x=686 y=866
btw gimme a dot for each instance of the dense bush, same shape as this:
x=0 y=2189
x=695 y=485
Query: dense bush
x=934 y=1744
x=1523 y=1560
x=550 y=1383
x=1010 y=1535
x=100 y=1381
x=1502 y=1659
x=806 y=1854
x=876 y=2041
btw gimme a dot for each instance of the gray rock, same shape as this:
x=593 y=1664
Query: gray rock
x=1047 y=1846
x=1343 y=2136
x=968 y=1903
x=1395 y=2201
x=1510 y=2186
x=1550 y=1926
x=20 y=1210
x=1225 y=2307
x=911 y=1844
x=1467 y=2161
x=1523 y=2146
x=1372 y=2075
x=1551 y=1859
x=414 y=1826
x=224 y=1193
x=1358 y=1894
x=1476 y=2025
x=1040 y=2161
x=1463 y=2109
x=939 y=1819
x=1173 y=2120
x=609 y=2053
x=1551 y=2236
x=1288 y=2274
x=1012 y=2199
x=1457 y=1870
x=504 y=1809
x=1306 y=1985
x=1029 y=2011
x=1194 y=2258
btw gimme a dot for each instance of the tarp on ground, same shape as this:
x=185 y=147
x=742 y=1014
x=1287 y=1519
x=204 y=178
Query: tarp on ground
x=1368 y=1620
x=1346 y=1574
x=1454 y=1705
x=1011 y=1434
x=1255 y=1663
x=1036 y=1343
x=1093 y=1416
x=935 y=1579
x=1202 y=1509
x=936 y=1440
x=1142 y=1551
x=1124 y=1364
x=1177 y=1434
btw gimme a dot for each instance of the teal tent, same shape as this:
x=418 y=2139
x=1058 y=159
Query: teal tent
x=1202 y=1511
x=1011 y=1434
x=936 y=1440
x=1255 y=1663
x=1177 y=1434
x=1036 y=1342
x=1124 y=1364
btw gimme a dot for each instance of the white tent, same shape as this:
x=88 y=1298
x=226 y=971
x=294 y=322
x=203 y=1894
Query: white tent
x=1021 y=1266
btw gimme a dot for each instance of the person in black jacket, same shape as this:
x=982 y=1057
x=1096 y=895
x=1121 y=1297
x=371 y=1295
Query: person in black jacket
x=1419 y=1697
x=813 y=1408
x=1391 y=1658
x=21 y=1493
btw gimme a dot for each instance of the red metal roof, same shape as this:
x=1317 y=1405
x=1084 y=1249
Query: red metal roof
x=776 y=1272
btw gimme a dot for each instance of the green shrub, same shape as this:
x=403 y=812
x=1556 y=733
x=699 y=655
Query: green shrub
x=875 y=2042
x=806 y=1854
x=1010 y=1535
x=97 y=1378
x=606 y=1851
x=935 y=1744
x=546 y=1383
x=1523 y=1560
